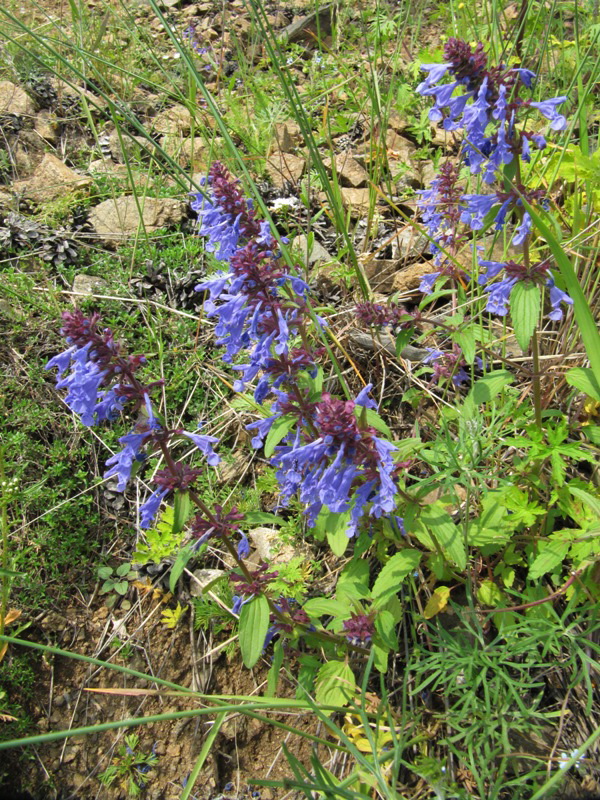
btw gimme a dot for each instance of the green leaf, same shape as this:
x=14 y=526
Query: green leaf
x=439 y=525
x=253 y=627
x=465 y=339
x=584 y=317
x=104 y=572
x=121 y=587
x=583 y=378
x=552 y=553
x=123 y=569
x=487 y=388
x=385 y=625
x=180 y=564
x=335 y=684
x=279 y=430
x=490 y=595
x=525 y=305
x=334 y=525
x=393 y=573
x=402 y=340
x=354 y=580
x=319 y=606
x=372 y=418
x=587 y=498
x=273 y=676
x=262 y=518
x=182 y=509
x=10 y=573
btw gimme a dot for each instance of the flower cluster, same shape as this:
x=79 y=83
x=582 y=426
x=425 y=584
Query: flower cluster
x=259 y=304
x=480 y=95
x=499 y=290
x=359 y=629
x=449 y=366
x=101 y=382
x=392 y=315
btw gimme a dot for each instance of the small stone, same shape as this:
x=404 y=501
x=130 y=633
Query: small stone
x=191 y=152
x=269 y=546
x=316 y=254
x=380 y=273
x=13 y=100
x=176 y=119
x=409 y=278
x=285 y=168
x=350 y=172
x=357 y=201
x=116 y=220
x=202 y=579
x=173 y=751
x=46 y=126
x=51 y=180
x=400 y=147
x=87 y=284
x=288 y=136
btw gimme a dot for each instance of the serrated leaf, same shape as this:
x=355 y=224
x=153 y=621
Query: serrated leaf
x=393 y=573
x=552 y=553
x=487 y=388
x=525 y=305
x=253 y=627
x=279 y=430
x=583 y=378
x=335 y=684
x=437 y=602
x=182 y=509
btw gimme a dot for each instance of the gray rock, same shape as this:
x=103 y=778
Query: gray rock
x=317 y=252
x=203 y=578
x=51 y=179
x=116 y=220
x=87 y=284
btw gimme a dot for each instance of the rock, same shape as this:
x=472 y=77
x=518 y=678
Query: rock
x=46 y=126
x=51 y=180
x=356 y=201
x=409 y=243
x=308 y=28
x=127 y=148
x=428 y=173
x=400 y=147
x=288 y=136
x=13 y=100
x=349 y=171
x=285 y=168
x=396 y=122
x=87 y=284
x=317 y=252
x=177 y=119
x=409 y=278
x=380 y=273
x=203 y=578
x=270 y=548
x=191 y=152
x=116 y=220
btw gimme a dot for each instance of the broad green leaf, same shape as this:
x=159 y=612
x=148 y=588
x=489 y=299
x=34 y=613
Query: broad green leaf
x=319 y=606
x=381 y=659
x=402 y=339
x=273 y=676
x=583 y=378
x=335 y=684
x=279 y=430
x=354 y=580
x=385 y=625
x=180 y=564
x=372 y=418
x=587 y=498
x=437 y=523
x=104 y=572
x=487 y=388
x=525 y=305
x=393 y=573
x=334 y=525
x=182 y=509
x=253 y=627
x=437 y=602
x=490 y=595
x=465 y=339
x=262 y=518
x=121 y=587
x=552 y=553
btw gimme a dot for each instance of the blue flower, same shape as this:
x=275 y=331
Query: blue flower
x=149 y=509
x=204 y=444
x=428 y=282
x=477 y=207
x=548 y=108
x=557 y=296
x=243 y=548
